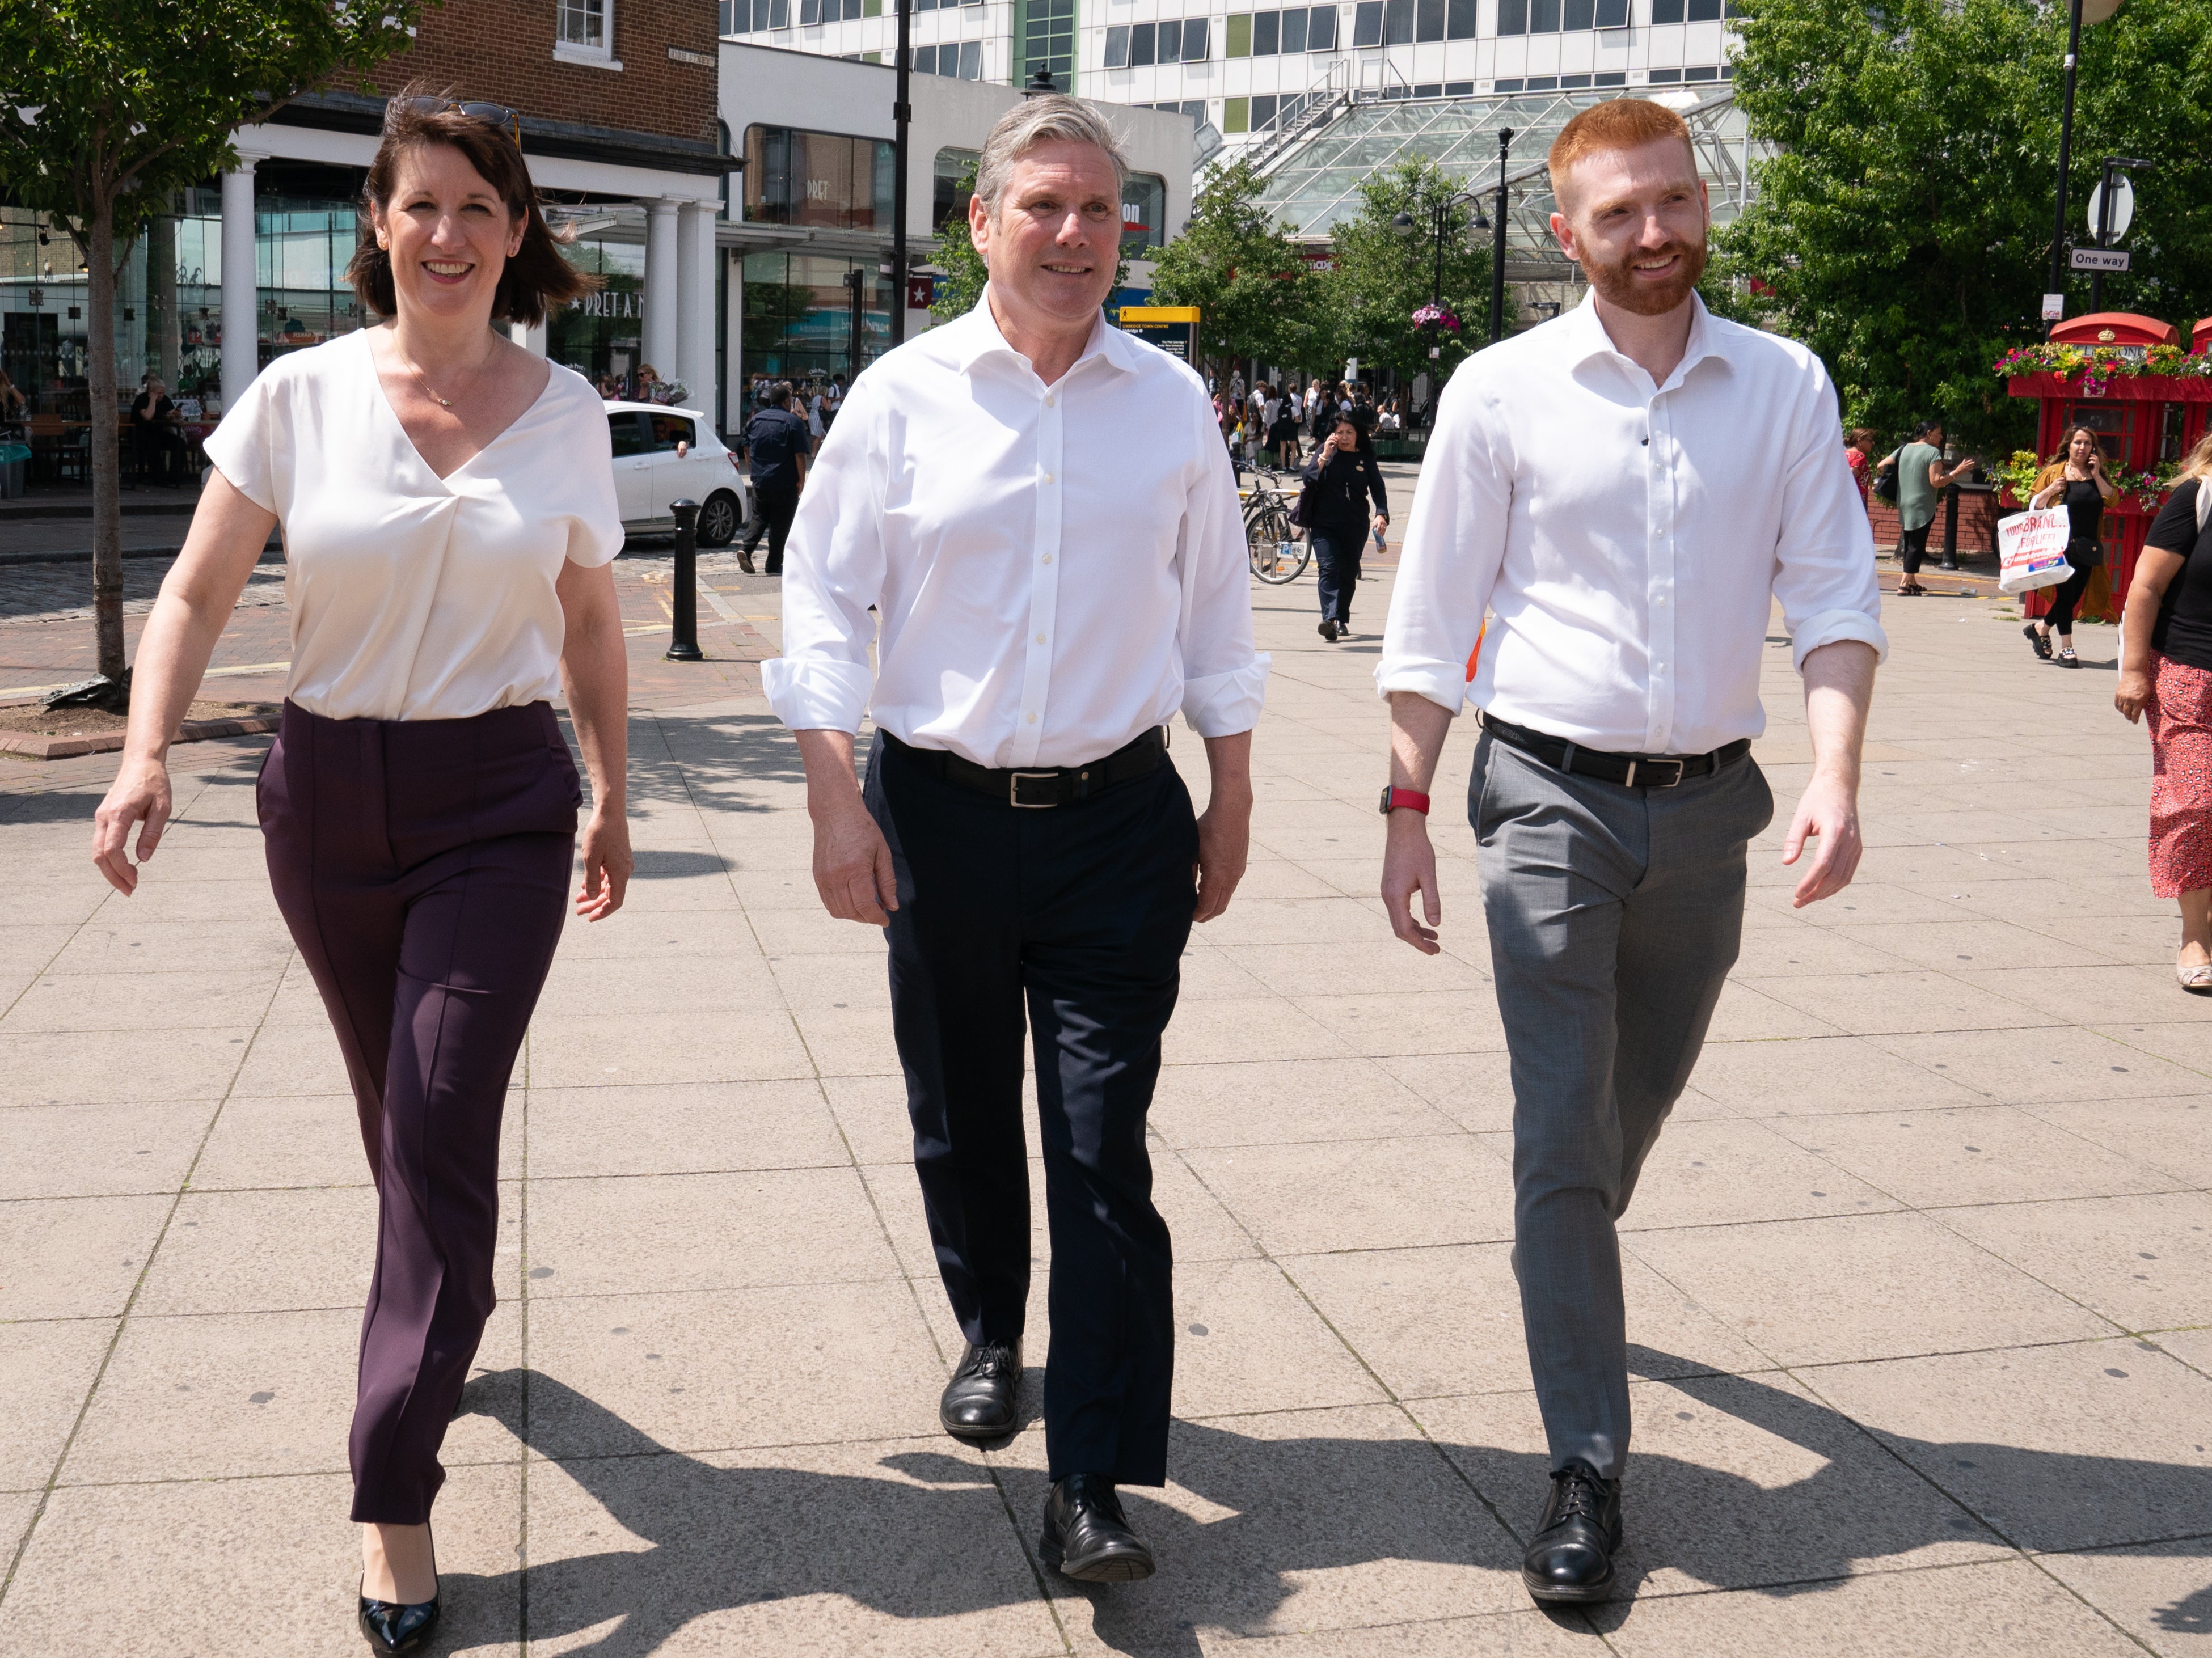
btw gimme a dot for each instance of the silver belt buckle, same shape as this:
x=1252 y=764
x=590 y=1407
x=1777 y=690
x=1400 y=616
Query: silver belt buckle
x=1014 y=791
x=1661 y=782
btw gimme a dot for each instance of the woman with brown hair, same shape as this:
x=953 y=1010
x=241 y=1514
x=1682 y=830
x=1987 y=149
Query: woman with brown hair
x=1858 y=454
x=448 y=507
x=2166 y=670
x=2077 y=478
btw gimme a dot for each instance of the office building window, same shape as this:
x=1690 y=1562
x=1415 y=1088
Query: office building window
x=757 y=16
x=1541 y=83
x=1133 y=46
x=1367 y=21
x=1708 y=73
x=1506 y=86
x=1610 y=78
x=819 y=179
x=1428 y=19
x=1693 y=11
x=1047 y=41
x=1144 y=214
x=1397 y=22
x=1301 y=28
x=955 y=169
x=1550 y=16
x=960 y=59
x=1459 y=88
x=1430 y=89
x=1661 y=78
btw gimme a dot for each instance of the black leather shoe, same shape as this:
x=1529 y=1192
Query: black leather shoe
x=978 y=1403
x=1327 y=629
x=1086 y=1535
x=392 y=1628
x=1571 y=1559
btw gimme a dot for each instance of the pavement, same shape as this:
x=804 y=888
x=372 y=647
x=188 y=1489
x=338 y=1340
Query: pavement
x=1919 y=1277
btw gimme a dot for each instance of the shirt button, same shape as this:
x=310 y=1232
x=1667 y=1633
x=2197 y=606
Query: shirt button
x=1040 y=639
x=1048 y=400
x=1048 y=558
x=1031 y=717
x=1047 y=477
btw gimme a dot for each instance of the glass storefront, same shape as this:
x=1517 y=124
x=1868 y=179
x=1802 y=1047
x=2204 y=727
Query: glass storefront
x=798 y=316
x=600 y=334
x=818 y=179
x=168 y=299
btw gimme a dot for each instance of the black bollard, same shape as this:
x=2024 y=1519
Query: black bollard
x=683 y=644
x=1950 y=528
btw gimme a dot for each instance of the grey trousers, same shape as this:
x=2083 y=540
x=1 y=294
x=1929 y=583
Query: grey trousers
x=1615 y=914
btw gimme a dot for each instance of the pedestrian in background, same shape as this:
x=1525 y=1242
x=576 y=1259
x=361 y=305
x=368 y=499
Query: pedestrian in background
x=778 y=442
x=2075 y=479
x=1344 y=477
x=1032 y=504
x=1858 y=453
x=1283 y=434
x=1615 y=795
x=1921 y=481
x=2165 y=670
x=448 y=502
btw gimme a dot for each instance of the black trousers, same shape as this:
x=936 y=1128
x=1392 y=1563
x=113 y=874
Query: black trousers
x=2067 y=593
x=1913 y=547
x=1077 y=915
x=773 y=509
x=1336 y=555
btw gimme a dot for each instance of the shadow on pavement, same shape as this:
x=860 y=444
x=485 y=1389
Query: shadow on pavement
x=928 y=1544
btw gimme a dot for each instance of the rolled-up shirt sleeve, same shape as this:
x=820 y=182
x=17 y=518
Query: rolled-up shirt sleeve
x=1454 y=548
x=1225 y=680
x=833 y=571
x=1824 y=574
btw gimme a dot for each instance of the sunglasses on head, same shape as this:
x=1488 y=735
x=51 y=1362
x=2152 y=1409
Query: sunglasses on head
x=492 y=115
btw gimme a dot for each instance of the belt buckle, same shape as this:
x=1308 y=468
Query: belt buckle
x=1014 y=789
x=1667 y=781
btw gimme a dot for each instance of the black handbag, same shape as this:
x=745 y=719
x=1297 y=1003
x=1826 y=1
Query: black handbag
x=1885 y=486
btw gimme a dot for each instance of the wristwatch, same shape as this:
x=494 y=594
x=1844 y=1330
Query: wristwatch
x=1394 y=798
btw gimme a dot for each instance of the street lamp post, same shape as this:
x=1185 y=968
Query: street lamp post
x=2058 y=288
x=902 y=114
x=1498 y=247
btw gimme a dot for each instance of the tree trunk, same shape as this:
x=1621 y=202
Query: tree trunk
x=106 y=482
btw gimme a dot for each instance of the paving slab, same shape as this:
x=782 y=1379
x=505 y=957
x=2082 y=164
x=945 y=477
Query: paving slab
x=1897 y=1224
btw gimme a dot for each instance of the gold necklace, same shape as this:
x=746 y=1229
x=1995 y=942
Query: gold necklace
x=442 y=403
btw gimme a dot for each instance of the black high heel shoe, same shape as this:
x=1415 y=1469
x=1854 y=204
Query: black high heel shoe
x=392 y=1628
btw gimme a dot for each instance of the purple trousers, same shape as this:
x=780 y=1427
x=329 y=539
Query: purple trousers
x=423 y=867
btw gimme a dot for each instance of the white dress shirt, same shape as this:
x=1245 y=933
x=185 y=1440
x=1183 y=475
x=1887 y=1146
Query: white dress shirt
x=414 y=597
x=1625 y=538
x=1056 y=567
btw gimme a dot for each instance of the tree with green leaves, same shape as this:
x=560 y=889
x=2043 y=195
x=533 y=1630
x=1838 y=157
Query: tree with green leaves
x=1240 y=268
x=965 y=273
x=1386 y=272
x=1904 y=228
x=107 y=108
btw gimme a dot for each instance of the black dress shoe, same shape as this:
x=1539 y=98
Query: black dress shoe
x=1086 y=1535
x=1571 y=1559
x=393 y=1628
x=1327 y=630
x=978 y=1403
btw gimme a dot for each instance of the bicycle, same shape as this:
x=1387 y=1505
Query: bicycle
x=1272 y=541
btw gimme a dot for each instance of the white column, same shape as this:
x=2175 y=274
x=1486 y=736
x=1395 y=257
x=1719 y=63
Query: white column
x=661 y=298
x=734 y=408
x=531 y=339
x=241 y=286
x=695 y=304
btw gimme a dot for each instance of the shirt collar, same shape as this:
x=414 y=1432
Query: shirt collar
x=980 y=338
x=1587 y=338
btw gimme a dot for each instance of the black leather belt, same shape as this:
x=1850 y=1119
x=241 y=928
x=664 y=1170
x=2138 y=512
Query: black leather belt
x=1642 y=771
x=1039 y=787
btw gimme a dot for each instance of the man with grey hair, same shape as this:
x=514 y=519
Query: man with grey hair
x=1038 y=509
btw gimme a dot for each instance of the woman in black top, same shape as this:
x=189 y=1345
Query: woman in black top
x=2166 y=670
x=1345 y=474
x=2077 y=479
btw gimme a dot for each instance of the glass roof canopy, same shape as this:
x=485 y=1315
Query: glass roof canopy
x=1315 y=182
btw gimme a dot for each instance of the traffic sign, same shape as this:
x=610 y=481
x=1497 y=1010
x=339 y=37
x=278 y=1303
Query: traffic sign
x=2054 y=306
x=2123 y=208
x=2098 y=258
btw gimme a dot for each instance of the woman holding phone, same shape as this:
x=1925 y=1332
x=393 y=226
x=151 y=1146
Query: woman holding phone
x=1342 y=475
x=2077 y=480
x=448 y=508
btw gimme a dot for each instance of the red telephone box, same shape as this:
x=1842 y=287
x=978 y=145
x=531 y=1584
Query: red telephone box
x=2143 y=421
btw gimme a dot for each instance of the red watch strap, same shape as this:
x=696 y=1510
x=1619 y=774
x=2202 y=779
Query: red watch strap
x=1410 y=800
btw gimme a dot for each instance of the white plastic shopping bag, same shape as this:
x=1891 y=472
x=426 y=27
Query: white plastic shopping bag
x=2031 y=550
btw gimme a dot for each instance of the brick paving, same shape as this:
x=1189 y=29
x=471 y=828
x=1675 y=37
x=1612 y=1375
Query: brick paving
x=1920 y=1276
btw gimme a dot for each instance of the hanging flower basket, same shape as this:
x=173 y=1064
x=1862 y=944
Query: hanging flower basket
x=1436 y=316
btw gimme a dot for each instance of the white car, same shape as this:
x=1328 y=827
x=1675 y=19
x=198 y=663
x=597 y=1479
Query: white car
x=665 y=454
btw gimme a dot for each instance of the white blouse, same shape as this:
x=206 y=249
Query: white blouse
x=414 y=597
